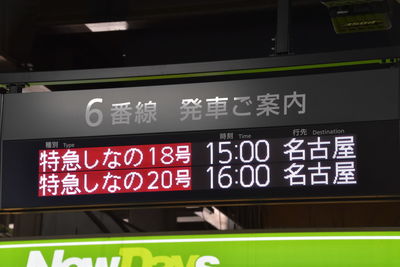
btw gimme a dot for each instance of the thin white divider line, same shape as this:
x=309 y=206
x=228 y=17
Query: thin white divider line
x=199 y=240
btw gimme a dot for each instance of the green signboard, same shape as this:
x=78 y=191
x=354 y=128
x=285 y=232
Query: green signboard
x=350 y=249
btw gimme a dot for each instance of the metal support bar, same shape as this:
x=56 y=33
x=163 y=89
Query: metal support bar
x=97 y=222
x=118 y=221
x=282 y=39
x=202 y=69
x=122 y=224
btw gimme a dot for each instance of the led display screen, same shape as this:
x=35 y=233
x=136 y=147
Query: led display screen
x=318 y=161
x=250 y=163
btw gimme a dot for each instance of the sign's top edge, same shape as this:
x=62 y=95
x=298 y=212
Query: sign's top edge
x=182 y=85
x=248 y=237
x=210 y=68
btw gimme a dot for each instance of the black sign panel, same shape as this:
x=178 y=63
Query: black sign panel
x=368 y=95
x=333 y=161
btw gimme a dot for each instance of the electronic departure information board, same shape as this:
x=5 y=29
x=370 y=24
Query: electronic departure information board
x=320 y=136
x=332 y=161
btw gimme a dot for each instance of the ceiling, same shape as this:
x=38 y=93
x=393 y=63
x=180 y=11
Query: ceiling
x=38 y=35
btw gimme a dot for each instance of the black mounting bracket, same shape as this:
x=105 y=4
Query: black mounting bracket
x=13 y=88
x=282 y=38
